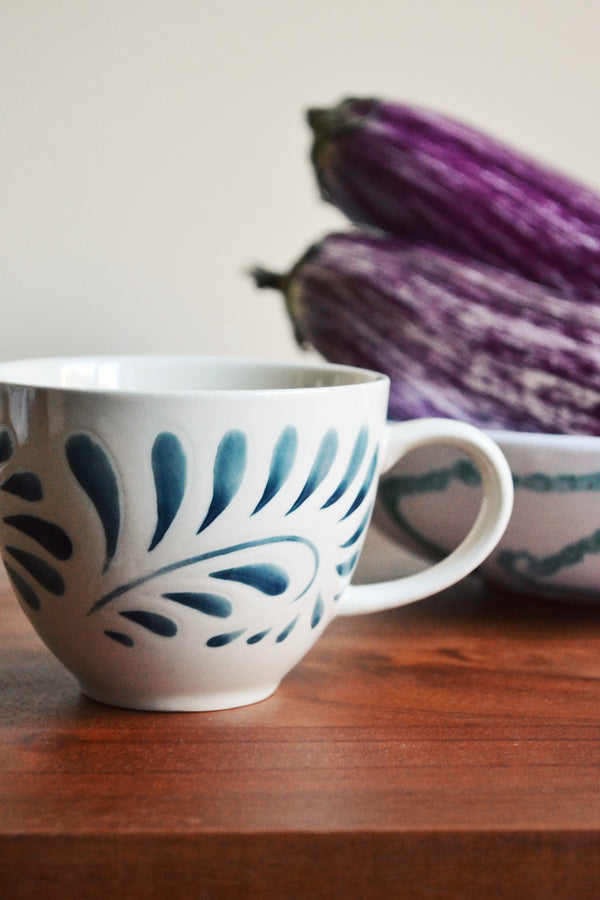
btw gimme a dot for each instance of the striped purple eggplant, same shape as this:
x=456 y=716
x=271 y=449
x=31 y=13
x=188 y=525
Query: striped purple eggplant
x=421 y=175
x=457 y=338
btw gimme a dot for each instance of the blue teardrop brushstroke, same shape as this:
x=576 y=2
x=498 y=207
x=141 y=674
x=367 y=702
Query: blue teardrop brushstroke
x=358 y=454
x=364 y=489
x=25 y=485
x=47 y=534
x=91 y=466
x=286 y=631
x=23 y=588
x=153 y=622
x=120 y=638
x=268 y=579
x=256 y=638
x=209 y=604
x=321 y=466
x=221 y=640
x=282 y=461
x=346 y=567
x=39 y=569
x=6 y=445
x=359 y=531
x=317 y=612
x=230 y=464
x=169 y=470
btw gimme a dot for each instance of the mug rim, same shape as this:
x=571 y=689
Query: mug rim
x=97 y=374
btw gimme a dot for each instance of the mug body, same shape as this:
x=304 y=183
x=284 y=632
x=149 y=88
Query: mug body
x=179 y=530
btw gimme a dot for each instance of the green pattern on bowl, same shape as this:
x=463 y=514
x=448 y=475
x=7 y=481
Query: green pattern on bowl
x=522 y=568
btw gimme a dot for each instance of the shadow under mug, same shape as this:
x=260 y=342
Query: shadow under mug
x=180 y=530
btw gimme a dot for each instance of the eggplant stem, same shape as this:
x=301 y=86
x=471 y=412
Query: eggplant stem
x=265 y=278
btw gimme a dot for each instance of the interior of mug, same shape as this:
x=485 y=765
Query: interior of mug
x=164 y=374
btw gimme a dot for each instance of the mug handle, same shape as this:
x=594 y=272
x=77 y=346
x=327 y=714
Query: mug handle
x=486 y=531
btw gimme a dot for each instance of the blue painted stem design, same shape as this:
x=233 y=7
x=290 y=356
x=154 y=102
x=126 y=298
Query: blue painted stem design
x=203 y=557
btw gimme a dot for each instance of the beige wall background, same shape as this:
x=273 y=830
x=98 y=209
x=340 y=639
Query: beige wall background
x=152 y=150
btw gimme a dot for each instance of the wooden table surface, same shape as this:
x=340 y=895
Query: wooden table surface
x=447 y=749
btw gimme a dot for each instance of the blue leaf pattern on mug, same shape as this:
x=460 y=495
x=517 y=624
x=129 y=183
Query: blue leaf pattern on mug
x=119 y=637
x=346 y=567
x=256 y=638
x=358 y=454
x=23 y=588
x=268 y=579
x=230 y=464
x=25 y=485
x=221 y=640
x=169 y=470
x=245 y=566
x=365 y=487
x=50 y=536
x=318 y=611
x=321 y=466
x=6 y=445
x=40 y=570
x=282 y=462
x=95 y=472
x=154 y=622
x=359 y=531
x=286 y=631
x=202 y=601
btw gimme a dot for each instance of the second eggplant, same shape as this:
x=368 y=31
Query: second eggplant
x=457 y=338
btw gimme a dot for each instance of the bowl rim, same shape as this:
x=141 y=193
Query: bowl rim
x=561 y=442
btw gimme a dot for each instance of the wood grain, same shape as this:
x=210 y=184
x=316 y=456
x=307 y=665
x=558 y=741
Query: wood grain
x=449 y=749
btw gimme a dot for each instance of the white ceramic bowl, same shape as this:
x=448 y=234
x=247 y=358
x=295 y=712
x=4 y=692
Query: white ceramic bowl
x=551 y=547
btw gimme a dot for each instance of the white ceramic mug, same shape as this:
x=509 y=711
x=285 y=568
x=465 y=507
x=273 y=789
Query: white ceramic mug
x=181 y=530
